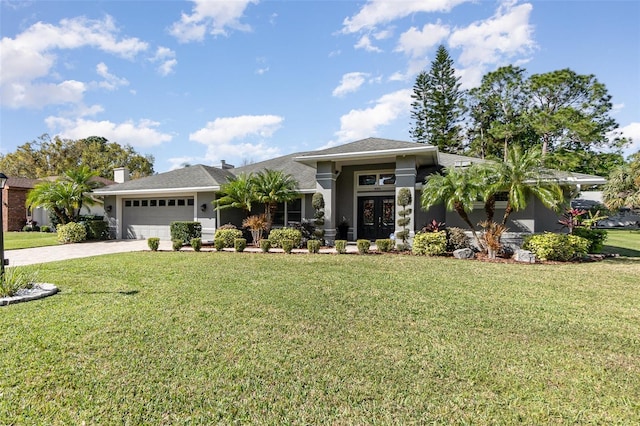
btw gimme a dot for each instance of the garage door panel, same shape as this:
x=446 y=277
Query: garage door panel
x=143 y=222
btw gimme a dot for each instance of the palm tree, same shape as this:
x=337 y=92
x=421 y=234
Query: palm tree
x=522 y=176
x=458 y=189
x=623 y=186
x=84 y=181
x=273 y=187
x=239 y=192
x=65 y=196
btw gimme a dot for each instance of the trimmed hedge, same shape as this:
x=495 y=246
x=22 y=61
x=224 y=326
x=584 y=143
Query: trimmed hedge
x=341 y=246
x=153 y=243
x=239 y=244
x=313 y=246
x=384 y=245
x=196 y=244
x=363 y=246
x=72 y=233
x=224 y=238
x=550 y=246
x=430 y=243
x=596 y=238
x=97 y=229
x=185 y=231
x=277 y=236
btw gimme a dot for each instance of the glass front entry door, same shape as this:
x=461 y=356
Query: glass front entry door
x=376 y=217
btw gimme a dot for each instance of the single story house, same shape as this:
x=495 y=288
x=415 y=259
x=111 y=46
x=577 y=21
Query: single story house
x=359 y=182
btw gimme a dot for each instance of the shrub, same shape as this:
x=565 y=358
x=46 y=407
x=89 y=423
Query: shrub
x=185 y=231
x=596 y=238
x=313 y=246
x=45 y=228
x=30 y=228
x=256 y=225
x=226 y=237
x=97 y=229
x=457 y=239
x=550 y=246
x=363 y=246
x=15 y=279
x=341 y=246
x=430 y=243
x=153 y=243
x=287 y=246
x=384 y=245
x=196 y=244
x=307 y=230
x=177 y=244
x=404 y=200
x=277 y=236
x=239 y=244
x=317 y=202
x=228 y=226
x=265 y=245
x=71 y=233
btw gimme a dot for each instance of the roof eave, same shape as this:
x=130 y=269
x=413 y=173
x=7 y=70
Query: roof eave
x=364 y=155
x=157 y=191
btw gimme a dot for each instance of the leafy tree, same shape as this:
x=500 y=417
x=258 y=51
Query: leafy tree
x=438 y=105
x=623 y=186
x=52 y=157
x=273 y=187
x=497 y=111
x=66 y=196
x=571 y=111
x=239 y=192
x=457 y=189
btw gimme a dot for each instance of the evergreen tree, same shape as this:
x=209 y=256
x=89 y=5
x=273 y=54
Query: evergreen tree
x=438 y=105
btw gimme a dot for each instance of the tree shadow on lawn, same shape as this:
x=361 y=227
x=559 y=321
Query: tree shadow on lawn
x=623 y=252
x=121 y=292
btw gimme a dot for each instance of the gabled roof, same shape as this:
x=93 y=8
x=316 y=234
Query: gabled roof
x=371 y=149
x=187 y=179
x=303 y=173
x=20 y=182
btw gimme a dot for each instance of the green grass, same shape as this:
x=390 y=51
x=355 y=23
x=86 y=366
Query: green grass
x=20 y=240
x=625 y=242
x=206 y=338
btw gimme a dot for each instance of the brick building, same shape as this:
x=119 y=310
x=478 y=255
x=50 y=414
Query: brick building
x=14 y=197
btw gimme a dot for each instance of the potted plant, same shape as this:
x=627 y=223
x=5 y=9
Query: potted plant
x=343 y=229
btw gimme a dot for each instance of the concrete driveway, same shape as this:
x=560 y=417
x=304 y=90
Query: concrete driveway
x=32 y=256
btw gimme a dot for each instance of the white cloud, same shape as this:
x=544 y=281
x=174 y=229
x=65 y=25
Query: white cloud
x=215 y=17
x=496 y=40
x=140 y=134
x=167 y=59
x=362 y=123
x=30 y=56
x=416 y=43
x=220 y=135
x=365 y=43
x=110 y=82
x=632 y=131
x=350 y=82
x=376 y=12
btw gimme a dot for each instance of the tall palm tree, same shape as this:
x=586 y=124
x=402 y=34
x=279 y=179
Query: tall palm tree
x=239 y=192
x=49 y=196
x=521 y=176
x=623 y=187
x=457 y=189
x=273 y=187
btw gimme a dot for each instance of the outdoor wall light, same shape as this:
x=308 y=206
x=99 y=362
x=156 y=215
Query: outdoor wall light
x=203 y=207
x=108 y=209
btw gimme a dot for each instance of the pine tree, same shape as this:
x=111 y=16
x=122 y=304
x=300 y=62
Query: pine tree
x=438 y=105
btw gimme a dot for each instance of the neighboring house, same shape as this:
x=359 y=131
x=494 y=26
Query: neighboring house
x=359 y=182
x=14 y=197
x=16 y=213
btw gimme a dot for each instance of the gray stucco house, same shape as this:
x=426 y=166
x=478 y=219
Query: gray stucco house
x=359 y=181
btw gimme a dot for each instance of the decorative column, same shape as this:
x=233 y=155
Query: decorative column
x=326 y=185
x=406 y=178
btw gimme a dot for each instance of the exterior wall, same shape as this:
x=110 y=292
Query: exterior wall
x=423 y=217
x=111 y=216
x=326 y=185
x=406 y=178
x=14 y=212
x=546 y=219
x=347 y=194
x=208 y=217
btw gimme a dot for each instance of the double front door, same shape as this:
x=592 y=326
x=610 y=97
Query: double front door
x=376 y=217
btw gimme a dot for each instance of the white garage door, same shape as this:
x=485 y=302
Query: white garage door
x=151 y=217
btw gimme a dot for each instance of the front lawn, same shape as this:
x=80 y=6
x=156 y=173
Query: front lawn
x=206 y=338
x=20 y=240
x=625 y=242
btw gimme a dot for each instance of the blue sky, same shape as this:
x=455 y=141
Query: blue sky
x=245 y=80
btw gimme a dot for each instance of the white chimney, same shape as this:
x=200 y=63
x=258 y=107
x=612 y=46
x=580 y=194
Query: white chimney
x=120 y=174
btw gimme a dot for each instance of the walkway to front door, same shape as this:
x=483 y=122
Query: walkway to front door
x=376 y=215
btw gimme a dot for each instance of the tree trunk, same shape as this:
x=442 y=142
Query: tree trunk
x=465 y=217
x=507 y=212
x=490 y=207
